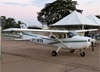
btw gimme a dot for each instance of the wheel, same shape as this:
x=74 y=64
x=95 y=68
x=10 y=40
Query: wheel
x=54 y=53
x=82 y=54
x=72 y=51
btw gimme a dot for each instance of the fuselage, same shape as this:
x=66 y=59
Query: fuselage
x=74 y=42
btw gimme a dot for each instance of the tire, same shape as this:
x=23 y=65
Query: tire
x=72 y=51
x=54 y=53
x=82 y=54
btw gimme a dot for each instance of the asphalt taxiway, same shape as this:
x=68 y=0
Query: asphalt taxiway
x=25 y=56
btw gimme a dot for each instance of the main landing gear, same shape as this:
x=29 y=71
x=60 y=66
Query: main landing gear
x=54 y=53
x=72 y=51
x=82 y=54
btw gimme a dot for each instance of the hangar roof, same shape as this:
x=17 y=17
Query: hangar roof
x=75 y=18
x=94 y=19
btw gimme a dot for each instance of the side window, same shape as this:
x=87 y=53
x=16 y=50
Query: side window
x=51 y=36
x=60 y=36
x=63 y=35
x=55 y=35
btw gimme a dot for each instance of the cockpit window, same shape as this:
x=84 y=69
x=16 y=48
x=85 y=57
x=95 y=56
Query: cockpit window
x=71 y=34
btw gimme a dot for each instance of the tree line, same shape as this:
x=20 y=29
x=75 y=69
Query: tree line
x=98 y=16
x=9 y=23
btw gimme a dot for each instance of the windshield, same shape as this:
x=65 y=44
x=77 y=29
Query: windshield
x=71 y=34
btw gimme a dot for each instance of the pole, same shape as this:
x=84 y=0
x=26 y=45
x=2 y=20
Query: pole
x=82 y=27
x=0 y=37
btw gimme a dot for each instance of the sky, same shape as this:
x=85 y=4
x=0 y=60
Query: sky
x=26 y=10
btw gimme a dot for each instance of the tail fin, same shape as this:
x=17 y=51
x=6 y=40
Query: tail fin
x=23 y=26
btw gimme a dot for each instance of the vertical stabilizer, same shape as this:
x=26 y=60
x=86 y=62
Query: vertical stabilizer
x=23 y=26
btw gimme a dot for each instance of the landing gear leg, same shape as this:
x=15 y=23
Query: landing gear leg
x=82 y=53
x=92 y=46
x=54 y=53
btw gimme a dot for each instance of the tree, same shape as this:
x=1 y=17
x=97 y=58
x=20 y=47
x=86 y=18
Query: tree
x=10 y=23
x=53 y=12
x=98 y=16
x=18 y=24
x=3 y=22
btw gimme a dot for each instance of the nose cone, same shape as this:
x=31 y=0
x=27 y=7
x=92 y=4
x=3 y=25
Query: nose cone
x=93 y=40
x=90 y=41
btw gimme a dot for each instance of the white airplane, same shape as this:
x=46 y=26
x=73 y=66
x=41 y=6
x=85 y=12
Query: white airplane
x=59 y=38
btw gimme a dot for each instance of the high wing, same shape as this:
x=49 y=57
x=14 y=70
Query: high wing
x=52 y=31
x=86 y=30
x=36 y=30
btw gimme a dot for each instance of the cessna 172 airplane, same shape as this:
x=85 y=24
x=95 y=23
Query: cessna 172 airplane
x=58 y=38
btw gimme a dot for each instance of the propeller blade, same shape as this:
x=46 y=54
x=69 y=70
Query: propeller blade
x=92 y=46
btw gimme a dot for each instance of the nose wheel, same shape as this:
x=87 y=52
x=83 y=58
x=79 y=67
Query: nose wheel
x=72 y=51
x=82 y=54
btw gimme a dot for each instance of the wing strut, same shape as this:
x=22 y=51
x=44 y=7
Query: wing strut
x=60 y=40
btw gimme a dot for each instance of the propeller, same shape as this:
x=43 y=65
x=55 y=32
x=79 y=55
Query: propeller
x=92 y=46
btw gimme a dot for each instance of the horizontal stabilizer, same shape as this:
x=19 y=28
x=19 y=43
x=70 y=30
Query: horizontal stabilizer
x=22 y=39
